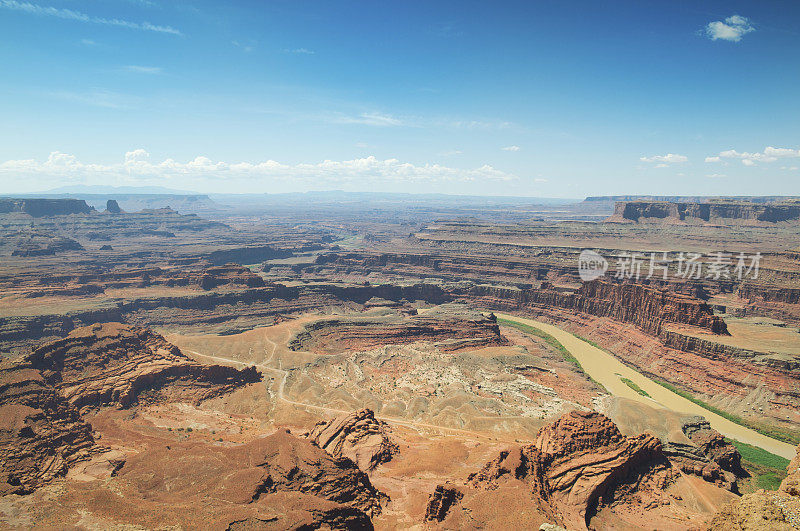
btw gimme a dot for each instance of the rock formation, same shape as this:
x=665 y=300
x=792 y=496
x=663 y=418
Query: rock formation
x=727 y=213
x=41 y=433
x=711 y=456
x=112 y=207
x=280 y=471
x=577 y=465
x=358 y=436
x=647 y=307
x=450 y=327
x=114 y=363
x=45 y=207
x=440 y=501
x=791 y=484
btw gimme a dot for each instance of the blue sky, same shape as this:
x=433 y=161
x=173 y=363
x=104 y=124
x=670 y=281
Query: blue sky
x=540 y=98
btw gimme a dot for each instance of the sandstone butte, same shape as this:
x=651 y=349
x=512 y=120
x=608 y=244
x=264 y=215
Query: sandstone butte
x=358 y=436
x=577 y=466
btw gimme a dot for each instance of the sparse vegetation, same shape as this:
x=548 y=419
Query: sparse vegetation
x=630 y=383
x=767 y=469
x=787 y=436
x=550 y=340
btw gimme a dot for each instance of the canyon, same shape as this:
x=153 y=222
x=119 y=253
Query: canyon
x=350 y=367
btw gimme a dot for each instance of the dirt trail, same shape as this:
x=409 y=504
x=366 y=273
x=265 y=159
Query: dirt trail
x=607 y=370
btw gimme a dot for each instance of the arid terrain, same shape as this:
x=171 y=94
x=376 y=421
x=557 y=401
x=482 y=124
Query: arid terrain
x=309 y=363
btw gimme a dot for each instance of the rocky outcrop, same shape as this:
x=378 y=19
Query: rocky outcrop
x=716 y=212
x=45 y=207
x=579 y=464
x=280 y=472
x=712 y=457
x=230 y=275
x=247 y=255
x=112 y=207
x=759 y=511
x=769 y=293
x=791 y=484
x=448 y=331
x=440 y=501
x=765 y=510
x=114 y=363
x=358 y=436
x=39 y=243
x=41 y=433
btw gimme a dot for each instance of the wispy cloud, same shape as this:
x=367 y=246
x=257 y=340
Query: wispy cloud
x=664 y=160
x=88 y=42
x=69 y=14
x=95 y=98
x=299 y=51
x=246 y=46
x=770 y=154
x=732 y=29
x=368 y=118
x=138 y=69
x=136 y=164
x=510 y=148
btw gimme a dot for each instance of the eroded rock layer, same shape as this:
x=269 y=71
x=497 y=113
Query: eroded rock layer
x=358 y=436
x=577 y=465
x=41 y=433
x=114 y=363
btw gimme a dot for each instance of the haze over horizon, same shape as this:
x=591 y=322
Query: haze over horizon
x=520 y=98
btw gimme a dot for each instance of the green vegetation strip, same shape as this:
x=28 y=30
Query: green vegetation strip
x=787 y=436
x=550 y=340
x=768 y=470
x=630 y=383
x=553 y=342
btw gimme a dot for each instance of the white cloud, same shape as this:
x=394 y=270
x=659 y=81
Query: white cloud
x=69 y=14
x=540 y=180
x=450 y=153
x=732 y=29
x=510 y=148
x=136 y=166
x=770 y=154
x=716 y=175
x=138 y=69
x=88 y=42
x=669 y=158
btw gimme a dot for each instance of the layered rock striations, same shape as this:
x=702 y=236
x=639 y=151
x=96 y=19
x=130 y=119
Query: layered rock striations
x=448 y=331
x=576 y=466
x=712 y=212
x=647 y=307
x=358 y=436
x=45 y=207
x=114 y=363
x=41 y=433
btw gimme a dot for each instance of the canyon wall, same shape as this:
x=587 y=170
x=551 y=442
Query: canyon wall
x=723 y=212
x=45 y=207
x=647 y=307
